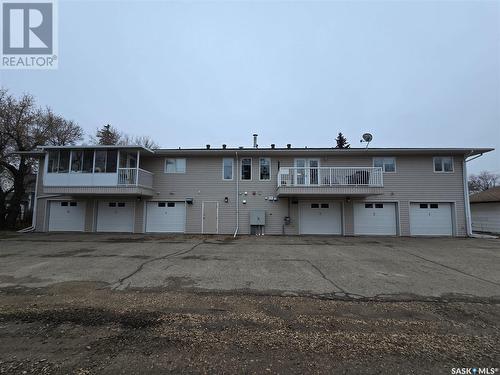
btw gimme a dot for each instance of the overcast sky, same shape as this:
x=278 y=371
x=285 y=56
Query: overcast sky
x=415 y=74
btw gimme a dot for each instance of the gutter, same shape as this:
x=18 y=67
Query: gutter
x=237 y=197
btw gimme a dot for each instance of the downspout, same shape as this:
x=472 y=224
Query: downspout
x=468 y=219
x=237 y=201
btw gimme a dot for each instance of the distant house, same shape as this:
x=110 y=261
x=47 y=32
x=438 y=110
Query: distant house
x=485 y=211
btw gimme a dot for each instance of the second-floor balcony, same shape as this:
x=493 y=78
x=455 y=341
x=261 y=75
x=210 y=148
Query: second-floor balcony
x=330 y=180
x=99 y=171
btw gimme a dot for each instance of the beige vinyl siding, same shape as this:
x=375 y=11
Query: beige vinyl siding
x=203 y=182
x=414 y=181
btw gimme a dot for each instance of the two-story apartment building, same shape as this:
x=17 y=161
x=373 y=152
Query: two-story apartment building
x=393 y=191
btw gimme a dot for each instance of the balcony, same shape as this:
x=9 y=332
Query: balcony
x=103 y=171
x=335 y=181
x=125 y=181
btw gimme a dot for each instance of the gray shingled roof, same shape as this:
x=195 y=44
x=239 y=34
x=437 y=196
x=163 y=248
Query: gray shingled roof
x=490 y=195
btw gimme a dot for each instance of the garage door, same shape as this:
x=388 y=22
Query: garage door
x=320 y=217
x=67 y=216
x=166 y=217
x=115 y=216
x=431 y=219
x=372 y=218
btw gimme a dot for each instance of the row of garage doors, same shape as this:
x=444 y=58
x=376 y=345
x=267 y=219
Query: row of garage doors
x=117 y=216
x=375 y=218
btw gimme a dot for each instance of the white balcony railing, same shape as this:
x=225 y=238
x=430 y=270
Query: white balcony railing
x=330 y=176
x=135 y=176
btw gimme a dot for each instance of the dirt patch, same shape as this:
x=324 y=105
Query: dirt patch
x=82 y=328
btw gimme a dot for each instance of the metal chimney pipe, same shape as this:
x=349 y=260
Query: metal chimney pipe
x=255 y=145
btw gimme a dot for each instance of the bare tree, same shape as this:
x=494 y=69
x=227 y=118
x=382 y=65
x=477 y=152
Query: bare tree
x=24 y=127
x=143 y=141
x=483 y=181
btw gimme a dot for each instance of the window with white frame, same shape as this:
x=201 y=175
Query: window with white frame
x=264 y=169
x=175 y=165
x=443 y=164
x=246 y=169
x=388 y=165
x=227 y=169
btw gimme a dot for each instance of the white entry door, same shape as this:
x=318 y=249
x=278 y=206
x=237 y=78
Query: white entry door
x=166 y=217
x=115 y=216
x=375 y=218
x=67 y=216
x=431 y=219
x=320 y=217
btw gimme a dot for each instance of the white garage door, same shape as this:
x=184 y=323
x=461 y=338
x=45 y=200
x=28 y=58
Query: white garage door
x=166 y=217
x=431 y=219
x=67 y=216
x=372 y=218
x=115 y=216
x=320 y=217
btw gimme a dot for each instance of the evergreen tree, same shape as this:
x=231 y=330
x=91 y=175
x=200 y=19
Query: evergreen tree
x=107 y=135
x=342 y=141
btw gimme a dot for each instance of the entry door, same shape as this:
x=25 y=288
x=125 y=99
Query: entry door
x=307 y=172
x=210 y=217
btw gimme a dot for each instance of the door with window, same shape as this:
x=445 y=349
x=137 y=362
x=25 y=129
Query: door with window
x=307 y=171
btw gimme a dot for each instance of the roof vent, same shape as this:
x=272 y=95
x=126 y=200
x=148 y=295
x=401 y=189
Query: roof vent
x=241 y=147
x=208 y=147
x=255 y=145
x=224 y=146
x=273 y=145
x=289 y=145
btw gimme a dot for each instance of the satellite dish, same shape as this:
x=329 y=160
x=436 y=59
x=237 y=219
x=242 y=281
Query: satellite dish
x=367 y=137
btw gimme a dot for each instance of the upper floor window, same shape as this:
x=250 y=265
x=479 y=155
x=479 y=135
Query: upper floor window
x=246 y=169
x=443 y=164
x=58 y=161
x=175 y=165
x=265 y=168
x=227 y=169
x=388 y=165
x=82 y=161
x=105 y=161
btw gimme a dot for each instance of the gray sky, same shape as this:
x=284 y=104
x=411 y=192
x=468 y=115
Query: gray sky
x=415 y=74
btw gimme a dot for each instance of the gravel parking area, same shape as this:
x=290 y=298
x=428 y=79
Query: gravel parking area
x=83 y=328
